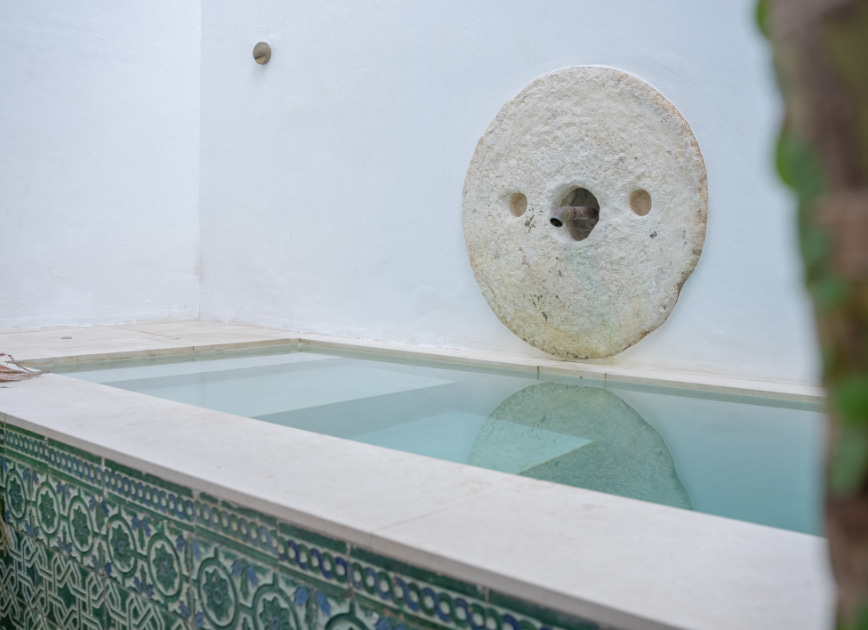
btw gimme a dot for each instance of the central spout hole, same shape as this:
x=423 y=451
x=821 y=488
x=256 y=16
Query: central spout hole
x=579 y=212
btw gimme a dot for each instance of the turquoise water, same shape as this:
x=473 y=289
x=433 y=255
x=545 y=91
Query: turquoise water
x=735 y=457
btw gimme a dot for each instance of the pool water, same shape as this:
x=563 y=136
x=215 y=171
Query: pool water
x=736 y=457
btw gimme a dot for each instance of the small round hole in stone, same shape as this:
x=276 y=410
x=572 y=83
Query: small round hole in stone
x=640 y=202
x=517 y=204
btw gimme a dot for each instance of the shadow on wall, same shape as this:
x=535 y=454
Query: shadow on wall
x=609 y=447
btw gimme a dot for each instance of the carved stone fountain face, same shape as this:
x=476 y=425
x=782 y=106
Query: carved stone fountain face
x=616 y=166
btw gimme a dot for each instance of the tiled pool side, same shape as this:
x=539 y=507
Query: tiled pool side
x=95 y=544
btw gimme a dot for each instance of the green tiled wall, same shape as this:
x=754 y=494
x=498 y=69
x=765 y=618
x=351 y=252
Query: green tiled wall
x=93 y=544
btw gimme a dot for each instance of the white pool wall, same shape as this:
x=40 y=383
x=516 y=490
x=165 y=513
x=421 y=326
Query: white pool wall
x=99 y=161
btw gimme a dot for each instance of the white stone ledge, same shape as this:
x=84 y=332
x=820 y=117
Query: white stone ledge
x=599 y=370
x=108 y=343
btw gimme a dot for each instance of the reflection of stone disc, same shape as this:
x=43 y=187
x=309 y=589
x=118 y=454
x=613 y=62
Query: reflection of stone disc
x=621 y=453
x=596 y=138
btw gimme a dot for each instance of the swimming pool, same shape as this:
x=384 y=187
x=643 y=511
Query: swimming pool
x=738 y=457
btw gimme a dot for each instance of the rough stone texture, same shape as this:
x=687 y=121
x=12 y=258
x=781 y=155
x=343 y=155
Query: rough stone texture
x=624 y=456
x=612 y=134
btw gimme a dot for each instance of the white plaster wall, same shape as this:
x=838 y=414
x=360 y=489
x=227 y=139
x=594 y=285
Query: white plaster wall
x=331 y=179
x=99 y=146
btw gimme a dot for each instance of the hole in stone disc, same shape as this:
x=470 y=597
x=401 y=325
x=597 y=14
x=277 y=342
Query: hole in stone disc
x=586 y=213
x=640 y=202
x=517 y=204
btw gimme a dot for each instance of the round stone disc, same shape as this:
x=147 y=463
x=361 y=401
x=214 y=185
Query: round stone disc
x=624 y=163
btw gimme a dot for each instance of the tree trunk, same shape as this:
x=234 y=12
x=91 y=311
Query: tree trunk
x=821 y=58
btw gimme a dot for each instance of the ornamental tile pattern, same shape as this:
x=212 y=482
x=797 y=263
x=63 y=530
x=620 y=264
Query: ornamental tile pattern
x=95 y=545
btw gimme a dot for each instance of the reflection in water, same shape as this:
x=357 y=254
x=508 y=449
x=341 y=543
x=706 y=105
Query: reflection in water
x=755 y=461
x=596 y=441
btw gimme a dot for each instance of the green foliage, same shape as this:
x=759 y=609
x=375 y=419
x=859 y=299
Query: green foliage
x=846 y=41
x=828 y=291
x=860 y=623
x=850 y=399
x=762 y=17
x=800 y=168
x=815 y=246
x=849 y=461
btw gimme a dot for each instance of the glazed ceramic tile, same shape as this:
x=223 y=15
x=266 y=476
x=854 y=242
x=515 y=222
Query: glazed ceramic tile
x=22 y=480
x=318 y=559
x=233 y=590
x=149 y=493
x=74 y=597
x=149 y=555
x=22 y=568
x=71 y=520
x=125 y=610
x=248 y=529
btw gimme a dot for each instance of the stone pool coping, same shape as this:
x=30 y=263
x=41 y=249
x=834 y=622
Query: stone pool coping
x=630 y=564
x=45 y=346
